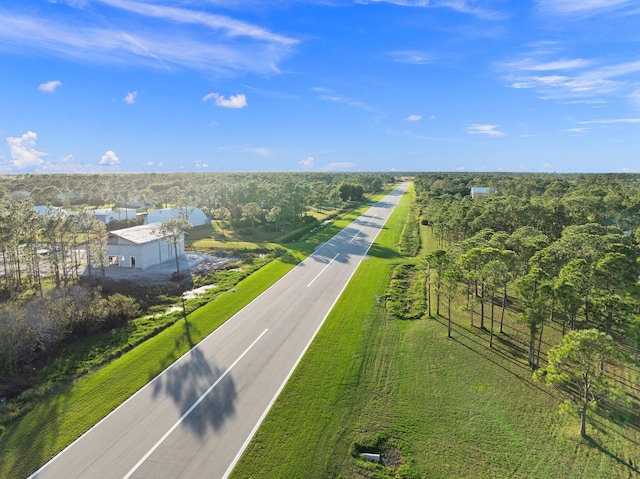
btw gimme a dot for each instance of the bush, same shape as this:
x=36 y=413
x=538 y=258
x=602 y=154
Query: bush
x=410 y=237
x=31 y=329
x=121 y=309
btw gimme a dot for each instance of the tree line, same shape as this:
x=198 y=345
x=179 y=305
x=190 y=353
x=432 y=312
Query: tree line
x=557 y=249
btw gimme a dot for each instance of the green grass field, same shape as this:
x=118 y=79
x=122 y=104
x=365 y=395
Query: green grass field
x=434 y=406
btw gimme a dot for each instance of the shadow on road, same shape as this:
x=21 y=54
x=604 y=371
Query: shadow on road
x=186 y=383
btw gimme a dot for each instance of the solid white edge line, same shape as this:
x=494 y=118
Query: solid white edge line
x=286 y=379
x=193 y=406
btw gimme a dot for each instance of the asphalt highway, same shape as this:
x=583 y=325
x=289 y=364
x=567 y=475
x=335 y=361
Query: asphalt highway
x=196 y=418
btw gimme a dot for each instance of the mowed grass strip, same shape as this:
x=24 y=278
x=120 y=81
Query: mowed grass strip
x=309 y=430
x=439 y=407
x=60 y=418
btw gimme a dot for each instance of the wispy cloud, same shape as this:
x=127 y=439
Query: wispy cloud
x=611 y=121
x=467 y=7
x=201 y=165
x=583 y=6
x=573 y=78
x=178 y=37
x=484 y=129
x=234 y=101
x=230 y=26
x=130 y=99
x=338 y=166
x=414 y=118
x=50 y=86
x=530 y=64
x=260 y=151
x=328 y=95
x=411 y=57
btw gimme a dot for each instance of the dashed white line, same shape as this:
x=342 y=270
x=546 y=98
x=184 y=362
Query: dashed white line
x=328 y=264
x=193 y=406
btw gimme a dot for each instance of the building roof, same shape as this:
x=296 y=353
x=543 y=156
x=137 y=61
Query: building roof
x=140 y=234
x=481 y=190
x=196 y=215
x=48 y=209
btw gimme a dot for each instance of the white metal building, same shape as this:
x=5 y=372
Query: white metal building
x=107 y=215
x=141 y=247
x=196 y=215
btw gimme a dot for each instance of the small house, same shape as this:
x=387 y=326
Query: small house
x=141 y=247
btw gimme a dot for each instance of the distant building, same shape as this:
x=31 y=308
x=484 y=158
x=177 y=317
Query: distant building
x=109 y=214
x=20 y=195
x=479 y=192
x=48 y=209
x=68 y=195
x=141 y=247
x=196 y=216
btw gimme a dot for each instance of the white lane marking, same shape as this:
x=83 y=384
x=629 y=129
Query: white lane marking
x=328 y=264
x=193 y=406
x=284 y=382
x=356 y=235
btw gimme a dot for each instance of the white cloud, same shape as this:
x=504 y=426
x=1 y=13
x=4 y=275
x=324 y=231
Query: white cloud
x=234 y=101
x=582 y=6
x=67 y=164
x=489 y=130
x=130 y=99
x=23 y=151
x=414 y=118
x=50 y=86
x=109 y=158
x=149 y=163
x=346 y=101
x=562 y=64
x=611 y=121
x=307 y=163
x=578 y=130
x=411 y=57
x=461 y=6
x=200 y=164
x=338 y=166
x=231 y=27
x=574 y=78
x=260 y=151
x=177 y=37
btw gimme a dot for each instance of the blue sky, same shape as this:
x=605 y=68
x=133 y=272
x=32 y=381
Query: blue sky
x=319 y=85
